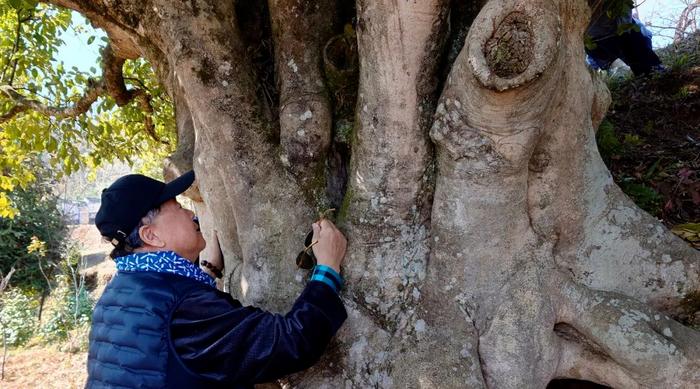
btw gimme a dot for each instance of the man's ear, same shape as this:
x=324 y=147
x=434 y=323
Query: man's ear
x=149 y=236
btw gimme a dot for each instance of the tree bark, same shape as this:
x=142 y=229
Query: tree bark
x=488 y=244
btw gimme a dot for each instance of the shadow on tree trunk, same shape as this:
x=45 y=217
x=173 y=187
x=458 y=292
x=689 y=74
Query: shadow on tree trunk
x=574 y=384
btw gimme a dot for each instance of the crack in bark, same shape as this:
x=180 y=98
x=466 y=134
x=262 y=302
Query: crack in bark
x=570 y=333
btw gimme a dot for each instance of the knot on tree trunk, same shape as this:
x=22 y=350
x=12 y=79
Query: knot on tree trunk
x=341 y=65
x=509 y=50
x=518 y=45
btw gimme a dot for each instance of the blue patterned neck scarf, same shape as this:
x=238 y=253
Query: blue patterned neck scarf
x=163 y=262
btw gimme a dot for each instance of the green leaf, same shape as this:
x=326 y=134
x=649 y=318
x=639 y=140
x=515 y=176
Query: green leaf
x=52 y=145
x=633 y=140
x=608 y=144
x=589 y=42
x=626 y=27
x=645 y=197
x=650 y=173
x=102 y=131
x=16 y=4
x=689 y=232
x=690 y=227
x=40 y=40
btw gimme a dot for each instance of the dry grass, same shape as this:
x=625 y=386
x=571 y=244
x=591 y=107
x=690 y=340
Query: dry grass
x=44 y=367
x=52 y=366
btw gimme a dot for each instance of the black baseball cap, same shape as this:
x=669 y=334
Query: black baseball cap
x=129 y=198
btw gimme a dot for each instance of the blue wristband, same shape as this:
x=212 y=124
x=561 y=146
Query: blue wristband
x=328 y=276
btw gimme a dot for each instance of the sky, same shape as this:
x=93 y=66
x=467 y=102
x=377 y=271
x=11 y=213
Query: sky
x=661 y=13
x=76 y=51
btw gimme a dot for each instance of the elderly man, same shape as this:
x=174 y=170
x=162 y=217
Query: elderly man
x=162 y=323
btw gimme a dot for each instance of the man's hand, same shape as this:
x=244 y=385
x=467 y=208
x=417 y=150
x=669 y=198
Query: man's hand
x=212 y=254
x=330 y=249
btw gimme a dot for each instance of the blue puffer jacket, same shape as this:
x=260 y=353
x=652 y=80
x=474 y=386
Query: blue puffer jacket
x=156 y=330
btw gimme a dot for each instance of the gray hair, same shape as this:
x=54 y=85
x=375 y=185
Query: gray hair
x=133 y=240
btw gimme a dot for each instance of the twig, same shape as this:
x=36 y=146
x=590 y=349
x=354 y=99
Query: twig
x=15 y=46
x=6 y=279
x=693 y=141
x=41 y=269
x=143 y=85
x=4 y=351
x=661 y=27
x=684 y=21
x=32 y=92
x=20 y=21
x=3 y=285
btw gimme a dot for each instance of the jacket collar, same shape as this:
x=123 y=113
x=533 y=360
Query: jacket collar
x=163 y=262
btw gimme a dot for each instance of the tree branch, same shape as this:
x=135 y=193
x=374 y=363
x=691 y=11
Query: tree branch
x=684 y=21
x=112 y=84
x=234 y=140
x=15 y=47
x=579 y=362
x=664 y=352
x=114 y=81
x=114 y=78
x=300 y=31
x=23 y=104
x=144 y=100
x=5 y=279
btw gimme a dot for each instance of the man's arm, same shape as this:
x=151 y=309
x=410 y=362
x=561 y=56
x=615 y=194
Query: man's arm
x=217 y=337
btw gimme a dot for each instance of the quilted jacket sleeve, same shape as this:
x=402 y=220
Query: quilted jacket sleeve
x=217 y=337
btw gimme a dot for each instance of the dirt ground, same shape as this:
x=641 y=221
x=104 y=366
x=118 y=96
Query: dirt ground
x=89 y=240
x=657 y=125
x=650 y=139
x=48 y=366
x=44 y=367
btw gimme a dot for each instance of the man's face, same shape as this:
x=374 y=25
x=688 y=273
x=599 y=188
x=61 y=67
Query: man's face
x=175 y=226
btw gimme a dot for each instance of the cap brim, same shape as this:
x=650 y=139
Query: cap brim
x=176 y=187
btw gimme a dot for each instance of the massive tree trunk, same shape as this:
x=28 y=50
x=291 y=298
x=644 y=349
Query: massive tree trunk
x=488 y=244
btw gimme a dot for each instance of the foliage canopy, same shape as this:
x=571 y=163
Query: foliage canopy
x=44 y=112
